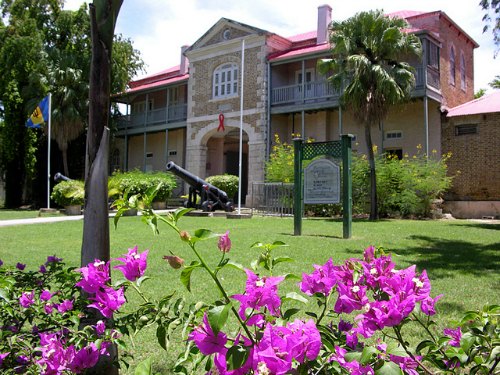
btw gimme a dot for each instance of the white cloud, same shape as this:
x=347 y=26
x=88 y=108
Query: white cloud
x=159 y=28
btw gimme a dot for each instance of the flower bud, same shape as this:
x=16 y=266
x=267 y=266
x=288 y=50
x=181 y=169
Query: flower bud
x=185 y=236
x=224 y=243
x=174 y=261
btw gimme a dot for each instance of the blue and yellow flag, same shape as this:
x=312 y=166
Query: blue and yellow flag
x=40 y=114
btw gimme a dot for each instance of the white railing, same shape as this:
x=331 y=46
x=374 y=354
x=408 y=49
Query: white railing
x=173 y=113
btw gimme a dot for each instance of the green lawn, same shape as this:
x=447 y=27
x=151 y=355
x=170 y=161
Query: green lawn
x=462 y=258
x=6 y=214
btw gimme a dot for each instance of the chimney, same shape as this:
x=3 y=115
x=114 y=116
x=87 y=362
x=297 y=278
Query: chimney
x=184 y=61
x=324 y=20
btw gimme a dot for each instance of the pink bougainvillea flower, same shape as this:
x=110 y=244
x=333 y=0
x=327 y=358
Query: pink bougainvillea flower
x=45 y=295
x=224 y=243
x=42 y=269
x=54 y=357
x=272 y=352
x=369 y=254
x=220 y=359
x=53 y=259
x=85 y=358
x=322 y=280
x=407 y=364
x=205 y=338
x=428 y=305
x=305 y=341
x=353 y=367
x=100 y=327
x=455 y=334
x=2 y=357
x=94 y=276
x=351 y=297
x=108 y=300
x=66 y=305
x=134 y=264
x=27 y=299
x=260 y=292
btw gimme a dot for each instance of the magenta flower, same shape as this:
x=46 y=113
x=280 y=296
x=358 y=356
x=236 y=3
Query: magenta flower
x=108 y=300
x=259 y=292
x=48 y=308
x=369 y=254
x=322 y=280
x=42 y=269
x=206 y=340
x=66 y=305
x=85 y=358
x=100 y=328
x=305 y=341
x=407 y=364
x=134 y=264
x=27 y=299
x=351 y=297
x=20 y=266
x=53 y=259
x=353 y=367
x=455 y=334
x=94 y=276
x=45 y=295
x=224 y=243
x=220 y=359
x=272 y=353
x=55 y=357
x=1 y=262
x=428 y=305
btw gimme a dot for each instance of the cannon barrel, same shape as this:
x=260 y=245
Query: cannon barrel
x=60 y=177
x=211 y=196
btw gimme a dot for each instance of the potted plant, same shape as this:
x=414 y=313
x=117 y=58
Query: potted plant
x=70 y=195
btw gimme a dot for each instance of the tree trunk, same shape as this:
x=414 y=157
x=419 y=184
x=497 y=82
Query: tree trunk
x=64 y=152
x=95 y=243
x=373 y=176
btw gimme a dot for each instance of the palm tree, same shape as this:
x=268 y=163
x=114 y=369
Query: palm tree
x=69 y=98
x=368 y=50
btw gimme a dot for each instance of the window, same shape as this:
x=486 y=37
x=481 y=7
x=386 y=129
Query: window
x=465 y=129
x=394 y=134
x=225 y=82
x=309 y=78
x=433 y=55
x=452 y=65
x=463 y=82
x=394 y=153
x=140 y=107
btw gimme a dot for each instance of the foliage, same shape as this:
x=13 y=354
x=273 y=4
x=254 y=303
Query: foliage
x=68 y=193
x=479 y=93
x=279 y=168
x=368 y=62
x=137 y=182
x=43 y=49
x=225 y=182
x=491 y=7
x=495 y=84
x=361 y=331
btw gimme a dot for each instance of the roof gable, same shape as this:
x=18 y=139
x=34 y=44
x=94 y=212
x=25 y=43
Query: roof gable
x=223 y=31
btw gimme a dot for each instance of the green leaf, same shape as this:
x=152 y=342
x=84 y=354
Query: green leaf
x=4 y=294
x=203 y=234
x=352 y=356
x=395 y=349
x=161 y=335
x=425 y=344
x=141 y=279
x=236 y=356
x=389 y=368
x=276 y=244
x=217 y=317
x=292 y=276
x=144 y=368
x=235 y=265
x=186 y=274
x=367 y=354
x=177 y=214
x=278 y=260
x=293 y=296
x=289 y=313
x=257 y=245
x=466 y=341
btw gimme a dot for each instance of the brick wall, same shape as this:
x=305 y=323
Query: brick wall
x=475 y=158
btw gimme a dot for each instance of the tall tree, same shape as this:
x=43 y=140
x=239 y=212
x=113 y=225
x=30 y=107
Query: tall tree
x=369 y=52
x=489 y=7
x=495 y=84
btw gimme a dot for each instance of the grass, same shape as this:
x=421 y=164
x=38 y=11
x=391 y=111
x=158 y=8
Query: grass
x=462 y=258
x=6 y=214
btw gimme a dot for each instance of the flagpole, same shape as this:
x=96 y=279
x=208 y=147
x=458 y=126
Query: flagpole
x=49 y=122
x=241 y=124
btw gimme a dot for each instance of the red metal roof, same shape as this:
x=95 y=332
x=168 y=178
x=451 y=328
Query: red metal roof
x=405 y=13
x=299 y=52
x=489 y=103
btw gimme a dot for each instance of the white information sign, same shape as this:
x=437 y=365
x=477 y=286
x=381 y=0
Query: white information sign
x=322 y=182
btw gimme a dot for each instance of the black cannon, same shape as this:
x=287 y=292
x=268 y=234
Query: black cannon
x=60 y=177
x=211 y=198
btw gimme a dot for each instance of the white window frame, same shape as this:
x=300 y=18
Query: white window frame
x=225 y=81
x=140 y=107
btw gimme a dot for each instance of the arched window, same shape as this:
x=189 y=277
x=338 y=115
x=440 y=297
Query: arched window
x=452 y=65
x=463 y=82
x=225 y=81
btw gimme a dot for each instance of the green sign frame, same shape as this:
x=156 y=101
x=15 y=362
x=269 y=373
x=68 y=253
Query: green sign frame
x=309 y=150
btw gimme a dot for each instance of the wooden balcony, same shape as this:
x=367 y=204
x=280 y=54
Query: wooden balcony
x=321 y=94
x=155 y=119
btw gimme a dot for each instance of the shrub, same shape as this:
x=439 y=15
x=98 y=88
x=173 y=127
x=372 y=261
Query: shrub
x=279 y=168
x=137 y=182
x=68 y=193
x=225 y=182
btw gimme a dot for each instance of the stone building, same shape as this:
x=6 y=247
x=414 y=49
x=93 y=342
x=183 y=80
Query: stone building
x=471 y=134
x=191 y=113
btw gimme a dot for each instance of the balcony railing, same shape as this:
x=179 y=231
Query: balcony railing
x=170 y=114
x=320 y=91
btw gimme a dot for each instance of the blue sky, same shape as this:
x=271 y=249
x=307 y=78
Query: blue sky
x=159 y=28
